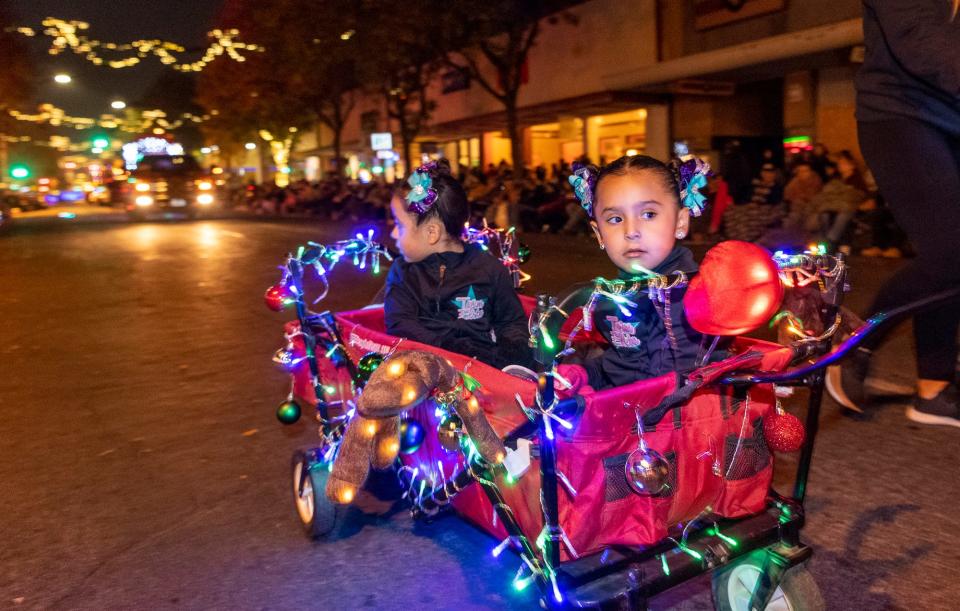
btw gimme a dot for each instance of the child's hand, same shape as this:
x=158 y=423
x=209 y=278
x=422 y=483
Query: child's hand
x=576 y=376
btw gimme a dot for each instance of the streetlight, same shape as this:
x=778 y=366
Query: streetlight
x=249 y=146
x=118 y=104
x=62 y=78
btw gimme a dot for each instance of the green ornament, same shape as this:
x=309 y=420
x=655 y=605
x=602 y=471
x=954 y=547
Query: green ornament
x=288 y=412
x=367 y=364
x=523 y=253
x=449 y=431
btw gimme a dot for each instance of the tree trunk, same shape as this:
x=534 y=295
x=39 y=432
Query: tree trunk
x=404 y=129
x=337 y=153
x=516 y=149
x=516 y=141
x=407 y=159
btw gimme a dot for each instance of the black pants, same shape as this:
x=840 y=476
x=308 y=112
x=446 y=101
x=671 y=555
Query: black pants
x=917 y=168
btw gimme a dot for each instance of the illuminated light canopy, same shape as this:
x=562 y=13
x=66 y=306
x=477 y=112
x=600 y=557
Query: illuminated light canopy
x=68 y=36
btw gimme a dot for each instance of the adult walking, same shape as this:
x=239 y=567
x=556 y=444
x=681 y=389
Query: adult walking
x=908 y=115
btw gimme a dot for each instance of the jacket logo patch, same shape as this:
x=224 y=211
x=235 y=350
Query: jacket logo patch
x=469 y=307
x=623 y=334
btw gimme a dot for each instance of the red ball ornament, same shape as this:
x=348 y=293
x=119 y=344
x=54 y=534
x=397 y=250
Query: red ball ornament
x=783 y=431
x=277 y=297
x=737 y=289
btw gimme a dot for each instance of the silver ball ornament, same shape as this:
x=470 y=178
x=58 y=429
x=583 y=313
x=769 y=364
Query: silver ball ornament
x=449 y=431
x=646 y=471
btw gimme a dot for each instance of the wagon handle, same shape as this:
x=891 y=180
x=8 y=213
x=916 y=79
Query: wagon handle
x=876 y=324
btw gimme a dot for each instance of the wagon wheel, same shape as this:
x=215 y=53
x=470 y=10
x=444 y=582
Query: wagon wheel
x=317 y=514
x=733 y=586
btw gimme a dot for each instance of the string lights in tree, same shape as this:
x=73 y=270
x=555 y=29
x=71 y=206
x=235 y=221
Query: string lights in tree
x=68 y=36
x=147 y=119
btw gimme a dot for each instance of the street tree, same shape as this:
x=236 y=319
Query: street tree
x=324 y=38
x=403 y=59
x=16 y=80
x=262 y=96
x=499 y=34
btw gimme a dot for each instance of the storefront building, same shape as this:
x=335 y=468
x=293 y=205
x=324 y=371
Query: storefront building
x=641 y=77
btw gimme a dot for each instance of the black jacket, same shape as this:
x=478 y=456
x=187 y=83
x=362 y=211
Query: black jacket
x=639 y=344
x=911 y=67
x=462 y=302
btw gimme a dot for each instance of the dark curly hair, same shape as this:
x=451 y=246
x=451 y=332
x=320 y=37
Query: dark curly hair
x=667 y=173
x=451 y=206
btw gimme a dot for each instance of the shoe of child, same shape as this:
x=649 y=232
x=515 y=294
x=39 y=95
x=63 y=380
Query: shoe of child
x=944 y=409
x=845 y=382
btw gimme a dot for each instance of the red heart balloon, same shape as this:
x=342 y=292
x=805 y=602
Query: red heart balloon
x=737 y=289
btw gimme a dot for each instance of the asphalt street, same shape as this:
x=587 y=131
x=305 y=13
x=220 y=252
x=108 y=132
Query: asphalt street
x=141 y=465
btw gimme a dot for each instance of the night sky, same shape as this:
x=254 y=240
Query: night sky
x=185 y=22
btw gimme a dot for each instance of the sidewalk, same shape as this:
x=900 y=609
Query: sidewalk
x=87 y=213
x=69 y=213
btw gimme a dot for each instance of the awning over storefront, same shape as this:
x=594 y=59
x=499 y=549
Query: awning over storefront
x=548 y=112
x=766 y=50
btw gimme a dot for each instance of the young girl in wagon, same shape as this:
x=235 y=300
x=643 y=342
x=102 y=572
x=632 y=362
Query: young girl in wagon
x=443 y=292
x=639 y=209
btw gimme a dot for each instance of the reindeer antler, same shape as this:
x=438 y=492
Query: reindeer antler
x=373 y=436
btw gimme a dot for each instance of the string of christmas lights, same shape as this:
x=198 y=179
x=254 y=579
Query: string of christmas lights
x=148 y=119
x=503 y=244
x=60 y=143
x=68 y=36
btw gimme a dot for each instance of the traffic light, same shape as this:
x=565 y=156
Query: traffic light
x=19 y=171
x=101 y=142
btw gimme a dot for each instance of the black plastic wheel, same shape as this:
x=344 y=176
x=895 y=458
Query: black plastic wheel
x=733 y=585
x=316 y=513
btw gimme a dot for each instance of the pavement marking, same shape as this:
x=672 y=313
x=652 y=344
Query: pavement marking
x=105 y=452
x=251 y=432
x=18 y=600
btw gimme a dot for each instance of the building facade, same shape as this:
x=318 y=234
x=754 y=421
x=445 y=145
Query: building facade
x=642 y=76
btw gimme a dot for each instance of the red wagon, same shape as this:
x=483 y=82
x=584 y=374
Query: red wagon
x=573 y=496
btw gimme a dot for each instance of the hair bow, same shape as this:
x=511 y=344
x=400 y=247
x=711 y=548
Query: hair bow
x=422 y=195
x=693 y=177
x=583 y=180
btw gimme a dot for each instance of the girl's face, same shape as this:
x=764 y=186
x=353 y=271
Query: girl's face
x=637 y=220
x=413 y=240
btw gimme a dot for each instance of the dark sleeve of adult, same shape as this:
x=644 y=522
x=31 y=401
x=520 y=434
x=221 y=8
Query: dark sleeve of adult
x=401 y=311
x=509 y=321
x=923 y=39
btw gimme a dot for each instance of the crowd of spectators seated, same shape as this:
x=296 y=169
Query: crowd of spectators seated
x=816 y=197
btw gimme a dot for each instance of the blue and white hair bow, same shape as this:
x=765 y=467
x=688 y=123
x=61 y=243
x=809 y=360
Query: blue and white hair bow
x=583 y=180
